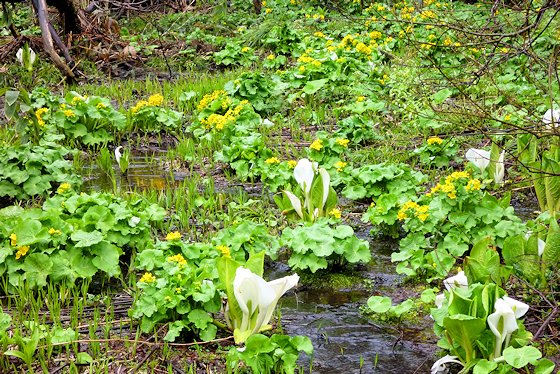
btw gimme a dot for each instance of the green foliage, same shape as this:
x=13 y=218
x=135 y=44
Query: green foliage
x=34 y=170
x=275 y=354
x=318 y=245
x=262 y=92
x=438 y=152
x=357 y=129
x=235 y=54
x=247 y=238
x=89 y=121
x=72 y=236
x=149 y=115
x=546 y=181
x=178 y=287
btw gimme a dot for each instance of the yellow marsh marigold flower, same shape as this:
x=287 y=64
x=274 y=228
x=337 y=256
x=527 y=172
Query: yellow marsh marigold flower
x=301 y=68
x=268 y=10
x=423 y=216
x=401 y=216
x=53 y=231
x=178 y=290
x=68 y=113
x=224 y=250
x=292 y=164
x=101 y=106
x=13 y=238
x=361 y=98
x=155 y=100
x=178 y=258
x=270 y=57
x=272 y=160
x=147 y=278
x=343 y=142
x=173 y=235
x=245 y=49
x=65 y=186
x=474 y=184
x=452 y=195
x=336 y=213
x=340 y=165
x=434 y=139
x=22 y=251
x=316 y=145
x=167 y=298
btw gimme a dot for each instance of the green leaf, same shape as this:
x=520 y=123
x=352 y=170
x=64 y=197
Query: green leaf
x=545 y=366
x=520 y=357
x=106 y=258
x=551 y=252
x=465 y=331
x=199 y=318
x=313 y=86
x=484 y=367
x=37 y=267
x=84 y=358
x=86 y=239
x=442 y=95
x=379 y=304
x=30 y=232
x=11 y=97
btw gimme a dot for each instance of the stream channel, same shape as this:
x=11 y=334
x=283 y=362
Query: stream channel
x=343 y=339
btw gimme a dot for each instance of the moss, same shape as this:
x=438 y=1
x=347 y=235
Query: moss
x=325 y=278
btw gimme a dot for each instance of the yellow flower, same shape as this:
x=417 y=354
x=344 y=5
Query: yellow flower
x=173 y=236
x=101 y=106
x=434 y=139
x=13 y=238
x=292 y=164
x=474 y=184
x=53 y=231
x=272 y=160
x=167 y=298
x=68 y=113
x=316 y=145
x=178 y=290
x=343 y=142
x=245 y=49
x=360 y=99
x=155 y=100
x=336 y=213
x=401 y=216
x=178 y=258
x=452 y=195
x=340 y=165
x=63 y=105
x=268 y=10
x=307 y=16
x=22 y=251
x=264 y=3
x=147 y=278
x=270 y=57
x=224 y=250
x=423 y=217
x=301 y=68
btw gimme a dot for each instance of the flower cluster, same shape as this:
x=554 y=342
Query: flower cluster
x=420 y=211
x=39 y=114
x=343 y=142
x=154 y=100
x=272 y=160
x=68 y=113
x=178 y=258
x=224 y=250
x=316 y=145
x=22 y=251
x=434 y=139
x=147 y=278
x=474 y=184
x=173 y=235
x=340 y=165
x=52 y=231
x=13 y=239
x=449 y=186
x=292 y=164
x=63 y=187
x=336 y=213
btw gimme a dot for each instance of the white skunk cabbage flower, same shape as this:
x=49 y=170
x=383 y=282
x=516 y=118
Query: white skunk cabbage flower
x=479 y=157
x=459 y=280
x=439 y=366
x=541 y=243
x=550 y=116
x=253 y=291
x=296 y=203
x=304 y=172
x=500 y=169
x=502 y=323
x=439 y=300
x=518 y=307
x=118 y=154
